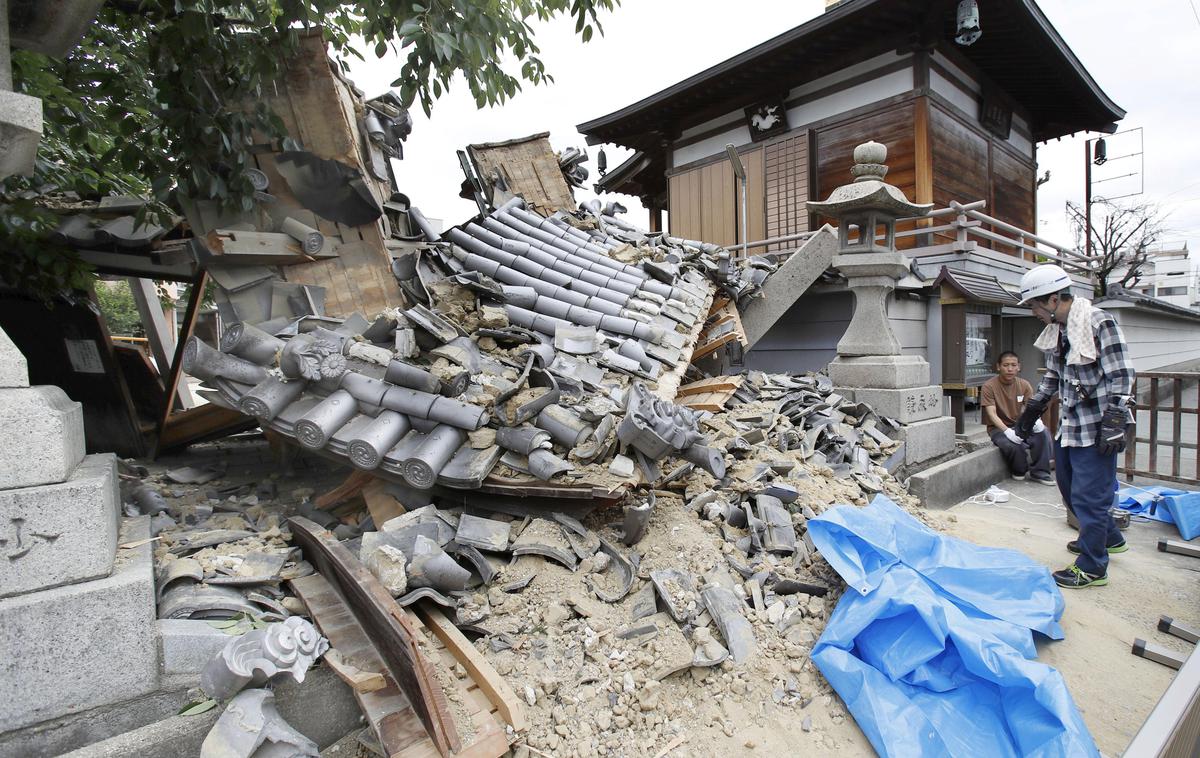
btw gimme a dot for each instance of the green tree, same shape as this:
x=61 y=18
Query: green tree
x=153 y=101
x=119 y=309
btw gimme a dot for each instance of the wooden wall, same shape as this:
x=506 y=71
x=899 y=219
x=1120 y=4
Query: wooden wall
x=319 y=110
x=702 y=204
x=970 y=164
x=834 y=146
x=787 y=172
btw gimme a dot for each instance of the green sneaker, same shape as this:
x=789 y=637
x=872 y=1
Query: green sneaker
x=1073 y=577
x=1073 y=546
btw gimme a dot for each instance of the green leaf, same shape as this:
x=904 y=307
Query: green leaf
x=224 y=623
x=192 y=709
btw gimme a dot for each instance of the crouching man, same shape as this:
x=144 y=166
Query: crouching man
x=1087 y=365
x=1003 y=398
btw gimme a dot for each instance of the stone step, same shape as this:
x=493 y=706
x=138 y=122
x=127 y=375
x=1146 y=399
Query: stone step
x=56 y=534
x=81 y=645
x=925 y=440
x=949 y=483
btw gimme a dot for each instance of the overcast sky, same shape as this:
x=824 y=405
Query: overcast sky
x=1143 y=54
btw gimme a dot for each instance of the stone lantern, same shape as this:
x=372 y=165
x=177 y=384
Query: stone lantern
x=871 y=267
x=869 y=366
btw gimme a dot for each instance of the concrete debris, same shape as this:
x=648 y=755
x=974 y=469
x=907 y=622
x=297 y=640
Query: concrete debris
x=252 y=726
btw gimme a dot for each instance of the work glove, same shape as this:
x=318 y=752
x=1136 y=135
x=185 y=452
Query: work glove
x=1011 y=435
x=1038 y=427
x=1030 y=416
x=1111 y=438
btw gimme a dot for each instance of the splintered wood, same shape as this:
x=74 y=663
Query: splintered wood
x=530 y=169
x=466 y=686
x=723 y=326
x=709 y=394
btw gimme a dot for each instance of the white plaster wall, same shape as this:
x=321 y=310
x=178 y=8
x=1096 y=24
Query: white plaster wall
x=739 y=135
x=888 y=85
x=964 y=101
x=895 y=83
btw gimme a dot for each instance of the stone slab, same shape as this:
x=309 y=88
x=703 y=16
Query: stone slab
x=20 y=133
x=926 y=440
x=793 y=278
x=186 y=647
x=14 y=369
x=879 y=371
x=321 y=708
x=905 y=405
x=83 y=645
x=44 y=429
x=948 y=483
x=56 y=534
x=70 y=732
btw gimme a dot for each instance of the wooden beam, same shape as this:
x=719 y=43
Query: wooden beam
x=497 y=690
x=171 y=377
x=159 y=334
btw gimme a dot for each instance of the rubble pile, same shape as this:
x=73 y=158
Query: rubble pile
x=690 y=613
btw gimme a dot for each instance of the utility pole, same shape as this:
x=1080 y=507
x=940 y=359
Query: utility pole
x=1087 y=198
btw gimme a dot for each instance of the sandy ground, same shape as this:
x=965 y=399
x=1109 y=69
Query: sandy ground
x=1113 y=689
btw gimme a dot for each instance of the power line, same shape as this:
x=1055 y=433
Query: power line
x=1194 y=12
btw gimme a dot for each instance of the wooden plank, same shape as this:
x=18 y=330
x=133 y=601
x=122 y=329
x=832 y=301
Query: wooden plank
x=712 y=345
x=381 y=504
x=385 y=623
x=387 y=709
x=204 y=422
x=473 y=661
x=357 y=679
x=712 y=384
x=353 y=485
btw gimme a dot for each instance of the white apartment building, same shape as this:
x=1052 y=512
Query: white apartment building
x=1169 y=276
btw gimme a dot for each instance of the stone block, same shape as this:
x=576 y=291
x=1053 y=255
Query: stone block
x=20 y=133
x=186 y=647
x=787 y=284
x=44 y=428
x=14 y=369
x=948 y=483
x=879 y=371
x=926 y=440
x=73 y=731
x=321 y=708
x=55 y=534
x=905 y=405
x=83 y=645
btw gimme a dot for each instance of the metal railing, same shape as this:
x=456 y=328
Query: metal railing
x=1159 y=400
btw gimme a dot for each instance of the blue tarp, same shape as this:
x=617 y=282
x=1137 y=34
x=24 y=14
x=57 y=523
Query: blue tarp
x=932 y=646
x=1178 y=507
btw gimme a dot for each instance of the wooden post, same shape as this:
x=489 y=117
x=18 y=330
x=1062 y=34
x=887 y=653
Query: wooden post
x=171 y=378
x=158 y=334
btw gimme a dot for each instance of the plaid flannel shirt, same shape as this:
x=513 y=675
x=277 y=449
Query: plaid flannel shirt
x=1088 y=389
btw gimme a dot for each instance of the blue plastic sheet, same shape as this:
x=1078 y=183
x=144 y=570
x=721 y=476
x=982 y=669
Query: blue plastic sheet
x=932 y=646
x=1147 y=501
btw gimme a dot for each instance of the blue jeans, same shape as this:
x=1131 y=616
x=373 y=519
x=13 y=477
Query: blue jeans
x=1086 y=480
x=1036 y=451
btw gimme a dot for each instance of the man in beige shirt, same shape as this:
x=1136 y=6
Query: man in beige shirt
x=1002 y=398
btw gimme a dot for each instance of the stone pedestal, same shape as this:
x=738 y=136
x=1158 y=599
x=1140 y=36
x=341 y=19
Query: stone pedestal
x=61 y=533
x=77 y=615
x=81 y=645
x=929 y=439
x=882 y=371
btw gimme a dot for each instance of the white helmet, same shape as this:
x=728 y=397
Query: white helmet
x=1043 y=280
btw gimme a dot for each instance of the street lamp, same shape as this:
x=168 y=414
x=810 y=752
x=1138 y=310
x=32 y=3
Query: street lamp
x=740 y=171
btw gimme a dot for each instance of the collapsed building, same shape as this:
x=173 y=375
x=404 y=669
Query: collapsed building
x=541 y=469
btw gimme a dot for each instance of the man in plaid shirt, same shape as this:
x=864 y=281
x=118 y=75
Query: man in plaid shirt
x=1087 y=365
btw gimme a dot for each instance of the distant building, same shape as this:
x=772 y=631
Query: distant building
x=1169 y=276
